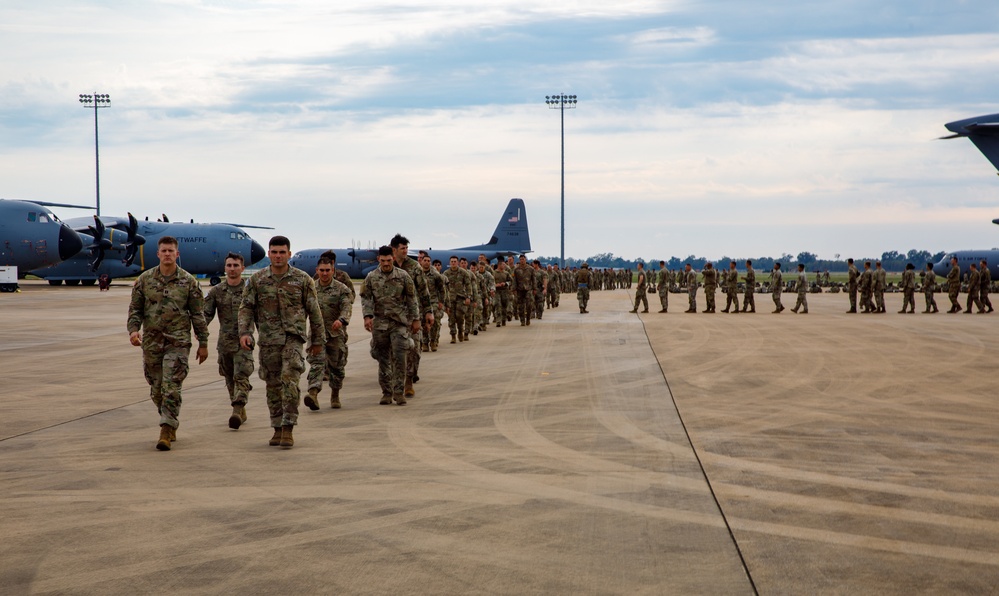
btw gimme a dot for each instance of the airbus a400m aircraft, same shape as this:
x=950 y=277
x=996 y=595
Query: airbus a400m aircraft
x=31 y=236
x=510 y=238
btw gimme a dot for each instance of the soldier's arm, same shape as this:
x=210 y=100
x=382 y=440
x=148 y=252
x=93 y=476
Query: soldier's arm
x=346 y=309
x=210 y=306
x=136 y=311
x=247 y=314
x=317 y=331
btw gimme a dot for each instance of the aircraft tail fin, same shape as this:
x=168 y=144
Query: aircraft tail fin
x=983 y=131
x=511 y=235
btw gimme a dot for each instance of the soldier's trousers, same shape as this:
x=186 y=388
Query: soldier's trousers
x=236 y=367
x=866 y=303
x=641 y=298
x=931 y=301
x=457 y=313
x=908 y=299
x=539 y=304
x=434 y=336
x=749 y=299
x=879 y=299
x=583 y=296
x=333 y=358
x=776 y=297
x=473 y=311
x=709 y=298
x=165 y=369
x=413 y=360
x=486 y=311
x=692 y=299
x=952 y=293
x=984 y=295
x=853 y=297
x=974 y=299
x=802 y=302
x=524 y=303
x=281 y=367
x=732 y=299
x=390 y=347
x=502 y=305
x=664 y=297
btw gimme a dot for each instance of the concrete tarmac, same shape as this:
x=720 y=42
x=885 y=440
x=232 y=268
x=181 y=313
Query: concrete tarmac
x=602 y=453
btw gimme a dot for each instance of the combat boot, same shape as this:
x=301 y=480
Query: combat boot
x=164 y=443
x=276 y=439
x=634 y=310
x=312 y=399
x=453 y=339
x=286 y=439
x=236 y=418
x=335 y=399
x=426 y=347
x=399 y=400
x=461 y=338
x=465 y=336
x=498 y=324
x=386 y=399
x=409 y=388
x=646 y=310
x=433 y=346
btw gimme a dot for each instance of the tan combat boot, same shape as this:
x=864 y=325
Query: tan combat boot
x=286 y=439
x=335 y=399
x=433 y=346
x=453 y=338
x=400 y=400
x=276 y=439
x=164 y=443
x=311 y=400
x=409 y=387
x=236 y=419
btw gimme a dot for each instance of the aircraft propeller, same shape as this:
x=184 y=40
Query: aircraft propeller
x=133 y=241
x=99 y=245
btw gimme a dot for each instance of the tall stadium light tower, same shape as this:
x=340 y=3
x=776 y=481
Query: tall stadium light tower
x=562 y=102
x=95 y=101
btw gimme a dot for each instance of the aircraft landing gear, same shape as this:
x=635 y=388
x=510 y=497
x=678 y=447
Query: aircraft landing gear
x=72 y=282
x=55 y=282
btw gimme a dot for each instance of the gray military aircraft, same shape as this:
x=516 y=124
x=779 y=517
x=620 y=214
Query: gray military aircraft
x=510 y=238
x=125 y=247
x=983 y=131
x=32 y=237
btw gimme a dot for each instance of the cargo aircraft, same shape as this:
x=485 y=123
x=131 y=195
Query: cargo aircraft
x=510 y=238
x=32 y=237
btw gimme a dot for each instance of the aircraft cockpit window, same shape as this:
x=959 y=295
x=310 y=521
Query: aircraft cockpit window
x=43 y=218
x=32 y=216
x=240 y=236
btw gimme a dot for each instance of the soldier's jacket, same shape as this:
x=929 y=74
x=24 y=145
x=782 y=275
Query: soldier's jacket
x=476 y=286
x=750 y=278
x=854 y=276
x=879 y=279
x=731 y=279
x=502 y=277
x=390 y=298
x=488 y=282
x=459 y=283
x=710 y=278
x=436 y=285
x=867 y=280
x=776 y=280
x=974 y=282
x=663 y=280
x=643 y=281
x=165 y=309
x=583 y=277
x=929 y=281
x=335 y=302
x=341 y=276
x=225 y=300
x=954 y=277
x=802 y=283
x=412 y=267
x=986 y=281
x=691 y=279
x=278 y=306
x=540 y=281
x=523 y=278
x=908 y=279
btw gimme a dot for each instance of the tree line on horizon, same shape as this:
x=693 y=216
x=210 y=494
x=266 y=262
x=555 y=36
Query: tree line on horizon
x=891 y=260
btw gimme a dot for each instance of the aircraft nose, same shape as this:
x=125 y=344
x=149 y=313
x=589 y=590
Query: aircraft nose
x=257 y=252
x=70 y=242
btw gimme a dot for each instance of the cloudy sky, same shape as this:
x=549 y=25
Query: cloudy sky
x=738 y=127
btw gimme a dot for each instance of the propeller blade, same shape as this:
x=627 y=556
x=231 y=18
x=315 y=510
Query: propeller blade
x=99 y=245
x=133 y=241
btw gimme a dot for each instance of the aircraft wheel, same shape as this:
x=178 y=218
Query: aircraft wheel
x=72 y=282
x=89 y=282
x=55 y=282
x=215 y=280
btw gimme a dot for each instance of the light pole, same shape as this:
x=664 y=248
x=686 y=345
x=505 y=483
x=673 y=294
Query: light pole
x=562 y=102
x=96 y=100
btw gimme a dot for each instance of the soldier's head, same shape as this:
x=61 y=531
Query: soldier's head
x=424 y=260
x=732 y=265
x=400 y=247
x=536 y=264
x=482 y=258
x=983 y=263
x=437 y=264
x=867 y=264
x=523 y=259
x=929 y=266
x=453 y=262
x=386 y=259
x=777 y=266
x=850 y=261
x=641 y=266
x=662 y=264
x=708 y=266
x=463 y=263
x=910 y=266
x=801 y=266
x=325 y=270
x=501 y=265
x=329 y=254
x=585 y=265
x=973 y=267
x=279 y=251
x=686 y=267
x=749 y=263
x=953 y=260
x=877 y=264
x=234 y=266
x=167 y=250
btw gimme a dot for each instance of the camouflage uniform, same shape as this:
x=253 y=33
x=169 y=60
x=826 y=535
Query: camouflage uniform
x=165 y=308
x=540 y=288
x=412 y=267
x=474 y=311
x=488 y=289
x=335 y=302
x=641 y=291
x=801 y=288
x=583 y=288
x=866 y=290
x=954 y=288
x=749 y=298
x=974 y=286
x=459 y=288
x=776 y=288
x=852 y=284
x=731 y=279
x=523 y=284
x=437 y=286
x=390 y=299
x=710 y=287
x=879 y=288
x=278 y=306
x=235 y=363
x=503 y=281
x=690 y=277
x=986 y=287
x=908 y=290
x=663 y=287
x=341 y=276
x=929 y=285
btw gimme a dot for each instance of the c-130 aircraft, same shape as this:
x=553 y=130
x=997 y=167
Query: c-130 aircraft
x=510 y=238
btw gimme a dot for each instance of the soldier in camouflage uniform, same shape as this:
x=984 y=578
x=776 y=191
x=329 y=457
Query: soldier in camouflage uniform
x=879 y=287
x=400 y=250
x=974 y=287
x=986 y=286
x=583 y=287
x=662 y=286
x=235 y=364
x=523 y=284
x=166 y=302
x=801 y=287
x=459 y=287
x=710 y=275
x=731 y=280
x=749 y=298
x=504 y=281
x=690 y=278
x=488 y=288
x=929 y=286
x=540 y=288
x=776 y=288
x=954 y=286
x=277 y=301
x=437 y=286
x=335 y=302
x=853 y=279
x=475 y=308
x=339 y=274
x=866 y=287
x=391 y=314
x=554 y=285
x=642 y=290
x=909 y=288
